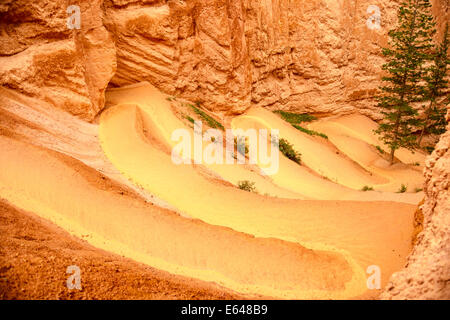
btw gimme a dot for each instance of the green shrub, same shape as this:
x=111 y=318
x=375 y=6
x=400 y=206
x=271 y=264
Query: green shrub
x=402 y=189
x=247 y=186
x=246 y=149
x=429 y=149
x=288 y=150
x=367 y=188
x=380 y=150
x=213 y=123
x=295 y=118
x=310 y=132
x=190 y=119
x=418 y=190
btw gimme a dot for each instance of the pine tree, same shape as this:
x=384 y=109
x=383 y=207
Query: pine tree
x=408 y=49
x=436 y=84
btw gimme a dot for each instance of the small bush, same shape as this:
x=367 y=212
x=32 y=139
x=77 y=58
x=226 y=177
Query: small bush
x=295 y=118
x=213 y=123
x=190 y=119
x=367 y=188
x=402 y=189
x=247 y=186
x=429 y=149
x=288 y=150
x=417 y=190
x=380 y=150
x=310 y=132
x=246 y=149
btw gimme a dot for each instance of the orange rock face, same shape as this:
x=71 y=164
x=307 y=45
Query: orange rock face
x=427 y=273
x=318 y=56
x=41 y=57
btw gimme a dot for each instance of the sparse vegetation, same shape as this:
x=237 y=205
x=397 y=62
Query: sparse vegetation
x=417 y=190
x=247 y=186
x=190 y=119
x=310 y=132
x=171 y=98
x=410 y=79
x=213 y=123
x=295 y=118
x=288 y=150
x=243 y=143
x=380 y=150
x=402 y=189
x=367 y=188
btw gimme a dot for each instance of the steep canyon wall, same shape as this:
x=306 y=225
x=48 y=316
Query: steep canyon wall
x=316 y=56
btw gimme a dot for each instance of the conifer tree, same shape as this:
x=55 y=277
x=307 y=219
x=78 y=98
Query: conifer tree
x=436 y=85
x=409 y=46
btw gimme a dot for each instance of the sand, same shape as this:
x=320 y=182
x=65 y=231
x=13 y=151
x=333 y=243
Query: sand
x=257 y=245
x=365 y=233
x=354 y=136
x=36 y=254
x=70 y=195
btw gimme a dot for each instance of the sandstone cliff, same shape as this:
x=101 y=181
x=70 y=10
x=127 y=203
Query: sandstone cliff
x=311 y=56
x=316 y=56
x=41 y=57
x=427 y=274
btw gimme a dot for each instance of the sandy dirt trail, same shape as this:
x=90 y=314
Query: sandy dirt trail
x=317 y=153
x=362 y=127
x=363 y=233
x=303 y=180
x=83 y=202
x=354 y=136
x=166 y=123
x=291 y=181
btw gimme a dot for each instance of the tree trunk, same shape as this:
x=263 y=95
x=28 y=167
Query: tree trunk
x=422 y=134
x=427 y=112
x=392 y=156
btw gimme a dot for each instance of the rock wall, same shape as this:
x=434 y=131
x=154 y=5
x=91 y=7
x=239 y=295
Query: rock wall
x=41 y=57
x=316 y=56
x=307 y=55
x=427 y=273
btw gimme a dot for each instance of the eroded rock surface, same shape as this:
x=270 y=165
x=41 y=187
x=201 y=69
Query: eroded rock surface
x=41 y=57
x=317 y=56
x=427 y=274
